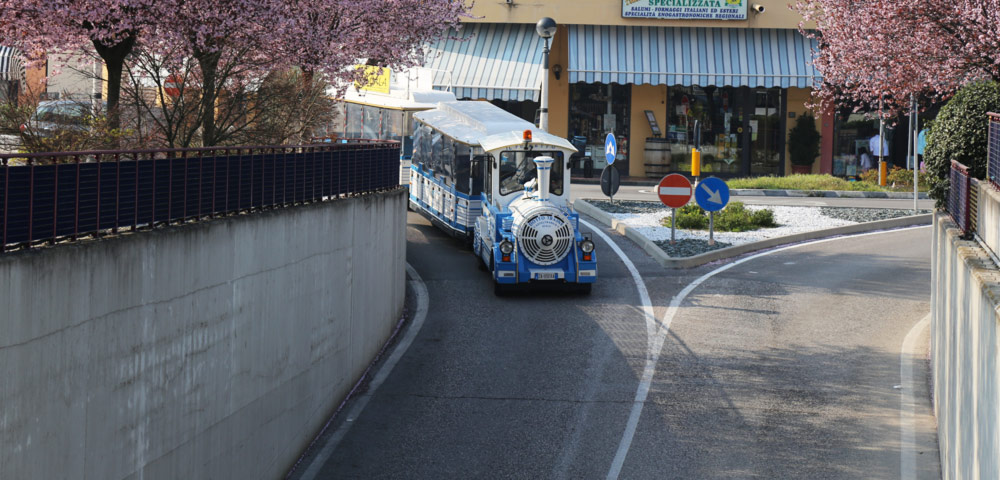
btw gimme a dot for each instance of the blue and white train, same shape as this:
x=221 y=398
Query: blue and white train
x=489 y=177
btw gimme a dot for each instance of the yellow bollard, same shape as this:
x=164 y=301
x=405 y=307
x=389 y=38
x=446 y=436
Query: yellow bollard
x=695 y=163
x=882 y=173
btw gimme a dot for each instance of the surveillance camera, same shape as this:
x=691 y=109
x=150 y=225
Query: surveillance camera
x=757 y=8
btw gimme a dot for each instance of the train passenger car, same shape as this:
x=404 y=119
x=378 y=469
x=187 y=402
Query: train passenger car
x=387 y=114
x=487 y=176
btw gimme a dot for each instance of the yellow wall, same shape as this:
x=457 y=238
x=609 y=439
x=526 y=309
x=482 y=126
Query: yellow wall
x=559 y=89
x=609 y=12
x=644 y=97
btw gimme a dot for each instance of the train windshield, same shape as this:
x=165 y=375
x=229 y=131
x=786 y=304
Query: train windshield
x=518 y=167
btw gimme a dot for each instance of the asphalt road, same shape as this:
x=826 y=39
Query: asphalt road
x=786 y=365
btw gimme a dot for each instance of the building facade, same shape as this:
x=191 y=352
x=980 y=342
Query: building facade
x=663 y=75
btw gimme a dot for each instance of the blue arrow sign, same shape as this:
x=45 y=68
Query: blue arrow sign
x=712 y=194
x=610 y=148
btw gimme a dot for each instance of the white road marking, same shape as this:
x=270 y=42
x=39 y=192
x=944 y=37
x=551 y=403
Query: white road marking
x=651 y=358
x=420 y=289
x=656 y=340
x=908 y=356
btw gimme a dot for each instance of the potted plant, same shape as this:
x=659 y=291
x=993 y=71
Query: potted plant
x=803 y=144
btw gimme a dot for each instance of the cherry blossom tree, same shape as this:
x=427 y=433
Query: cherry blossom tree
x=339 y=33
x=112 y=26
x=888 y=50
x=320 y=36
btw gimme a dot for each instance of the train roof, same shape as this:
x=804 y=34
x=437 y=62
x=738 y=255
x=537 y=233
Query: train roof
x=410 y=89
x=479 y=122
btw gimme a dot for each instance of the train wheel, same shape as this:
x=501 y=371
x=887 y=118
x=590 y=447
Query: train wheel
x=479 y=262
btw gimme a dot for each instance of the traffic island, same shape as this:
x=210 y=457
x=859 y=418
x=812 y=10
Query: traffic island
x=669 y=257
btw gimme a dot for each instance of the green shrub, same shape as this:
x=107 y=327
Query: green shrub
x=734 y=218
x=803 y=141
x=690 y=217
x=960 y=132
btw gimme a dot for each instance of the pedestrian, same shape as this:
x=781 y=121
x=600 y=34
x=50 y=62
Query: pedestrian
x=878 y=147
x=866 y=161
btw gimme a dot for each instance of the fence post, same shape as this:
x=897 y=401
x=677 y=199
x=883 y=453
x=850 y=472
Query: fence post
x=184 y=213
x=6 y=196
x=135 y=208
x=118 y=190
x=55 y=206
x=31 y=200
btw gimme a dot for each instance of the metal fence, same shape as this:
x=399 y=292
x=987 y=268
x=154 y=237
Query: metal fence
x=63 y=196
x=959 y=205
x=993 y=152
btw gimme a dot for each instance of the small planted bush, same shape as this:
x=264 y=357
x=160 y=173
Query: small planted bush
x=689 y=217
x=734 y=218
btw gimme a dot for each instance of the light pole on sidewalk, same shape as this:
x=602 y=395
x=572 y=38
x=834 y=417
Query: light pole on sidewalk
x=546 y=28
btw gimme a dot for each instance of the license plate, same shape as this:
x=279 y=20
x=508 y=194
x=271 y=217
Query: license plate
x=546 y=276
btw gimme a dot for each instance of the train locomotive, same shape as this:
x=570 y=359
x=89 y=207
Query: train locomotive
x=493 y=179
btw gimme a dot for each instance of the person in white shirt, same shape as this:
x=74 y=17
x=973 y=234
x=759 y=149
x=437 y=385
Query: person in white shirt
x=878 y=147
x=866 y=161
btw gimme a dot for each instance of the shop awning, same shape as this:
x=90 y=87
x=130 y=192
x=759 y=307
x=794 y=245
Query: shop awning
x=690 y=56
x=494 y=61
x=11 y=66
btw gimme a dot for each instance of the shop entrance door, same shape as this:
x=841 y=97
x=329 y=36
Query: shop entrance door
x=766 y=127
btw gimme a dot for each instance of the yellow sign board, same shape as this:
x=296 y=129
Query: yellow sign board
x=376 y=79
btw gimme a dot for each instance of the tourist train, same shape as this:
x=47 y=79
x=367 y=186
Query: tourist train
x=494 y=180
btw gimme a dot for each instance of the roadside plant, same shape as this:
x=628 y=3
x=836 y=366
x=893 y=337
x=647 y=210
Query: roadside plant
x=960 y=132
x=803 y=141
x=734 y=218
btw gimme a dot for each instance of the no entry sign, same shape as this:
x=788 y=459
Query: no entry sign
x=674 y=190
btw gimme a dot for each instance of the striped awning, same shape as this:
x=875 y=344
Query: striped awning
x=687 y=56
x=11 y=64
x=492 y=61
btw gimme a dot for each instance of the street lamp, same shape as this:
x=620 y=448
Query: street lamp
x=546 y=28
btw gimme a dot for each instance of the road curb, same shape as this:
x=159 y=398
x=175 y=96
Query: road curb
x=661 y=257
x=826 y=193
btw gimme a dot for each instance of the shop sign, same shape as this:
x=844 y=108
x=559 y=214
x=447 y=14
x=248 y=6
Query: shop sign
x=374 y=79
x=686 y=9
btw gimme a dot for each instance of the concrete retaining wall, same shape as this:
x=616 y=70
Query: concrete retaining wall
x=211 y=350
x=965 y=352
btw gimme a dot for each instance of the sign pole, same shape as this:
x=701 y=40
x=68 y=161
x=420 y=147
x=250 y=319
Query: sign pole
x=674 y=191
x=673 y=225
x=711 y=228
x=712 y=195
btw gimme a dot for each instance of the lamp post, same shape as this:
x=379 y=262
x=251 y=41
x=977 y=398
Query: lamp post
x=546 y=27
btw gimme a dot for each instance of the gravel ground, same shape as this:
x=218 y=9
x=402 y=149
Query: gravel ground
x=645 y=217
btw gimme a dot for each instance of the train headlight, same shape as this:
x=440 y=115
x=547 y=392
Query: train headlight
x=587 y=246
x=506 y=247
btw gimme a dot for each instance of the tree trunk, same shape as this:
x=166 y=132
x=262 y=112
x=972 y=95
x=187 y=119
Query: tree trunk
x=307 y=84
x=209 y=64
x=114 y=61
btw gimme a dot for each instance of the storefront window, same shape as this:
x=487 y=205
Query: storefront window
x=712 y=116
x=767 y=133
x=739 y=131
x=596 y=110
x=526 y=110
x=851 y=134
